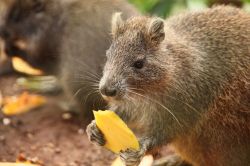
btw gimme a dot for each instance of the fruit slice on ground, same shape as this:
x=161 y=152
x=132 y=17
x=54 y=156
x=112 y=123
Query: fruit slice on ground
x=23 y=67
x=1 y=99
x=117 y=134
x=20 y=104
x=16 y=164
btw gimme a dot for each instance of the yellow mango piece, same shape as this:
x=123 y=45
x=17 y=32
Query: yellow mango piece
x=23 y=67
x=16 y=164
x=20 y=104
x=117 y=134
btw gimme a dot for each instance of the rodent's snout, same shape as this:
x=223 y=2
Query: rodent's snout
x=108 y=91
x=110 y=87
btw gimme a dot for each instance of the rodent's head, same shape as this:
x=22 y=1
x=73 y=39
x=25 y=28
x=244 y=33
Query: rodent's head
x=26 y=26
x=134 y=58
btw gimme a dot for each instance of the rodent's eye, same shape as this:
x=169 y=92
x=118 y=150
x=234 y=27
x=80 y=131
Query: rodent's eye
x=138 y=64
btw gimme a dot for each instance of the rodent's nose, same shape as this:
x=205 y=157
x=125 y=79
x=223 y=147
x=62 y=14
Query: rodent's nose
x=108 y=91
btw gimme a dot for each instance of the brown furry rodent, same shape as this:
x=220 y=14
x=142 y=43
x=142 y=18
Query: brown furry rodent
x=185 y=82
x=64 y=37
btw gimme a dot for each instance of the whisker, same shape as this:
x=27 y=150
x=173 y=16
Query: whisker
x=156 y=102
x=76 y=94
x=89 y=94
x=177 y=89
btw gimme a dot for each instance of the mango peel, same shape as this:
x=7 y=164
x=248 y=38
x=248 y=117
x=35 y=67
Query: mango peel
x=117 y=134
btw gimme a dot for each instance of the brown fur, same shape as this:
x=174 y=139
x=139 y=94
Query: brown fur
x=193 y=90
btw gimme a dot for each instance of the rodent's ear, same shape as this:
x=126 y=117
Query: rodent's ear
x=156 y=30
x=116 y=23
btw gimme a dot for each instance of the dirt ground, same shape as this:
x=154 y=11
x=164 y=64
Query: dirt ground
x=44 y=135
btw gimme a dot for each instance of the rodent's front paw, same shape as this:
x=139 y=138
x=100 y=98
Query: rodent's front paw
x=131 y=157
x=95 y=135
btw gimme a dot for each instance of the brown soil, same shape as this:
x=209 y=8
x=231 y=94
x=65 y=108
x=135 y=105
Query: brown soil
x=44 y=135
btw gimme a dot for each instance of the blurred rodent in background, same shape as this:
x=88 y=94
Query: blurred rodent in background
x=67 y=38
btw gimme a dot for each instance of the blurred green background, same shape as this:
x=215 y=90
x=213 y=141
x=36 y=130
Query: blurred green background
x=165 y=8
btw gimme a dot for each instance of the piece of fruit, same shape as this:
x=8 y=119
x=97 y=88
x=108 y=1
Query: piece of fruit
x=16 y=164
x=117 y=162
x=1 y=99
x=146 y=161
x=23 y=67
x=117 y=134
x=19 y=104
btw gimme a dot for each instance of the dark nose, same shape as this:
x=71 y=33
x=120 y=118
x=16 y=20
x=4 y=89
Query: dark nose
x=108 y=91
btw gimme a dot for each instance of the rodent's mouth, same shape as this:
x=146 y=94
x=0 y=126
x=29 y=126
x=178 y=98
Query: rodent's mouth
x=112 y=99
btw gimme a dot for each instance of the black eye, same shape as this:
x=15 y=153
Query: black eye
x=139 y=64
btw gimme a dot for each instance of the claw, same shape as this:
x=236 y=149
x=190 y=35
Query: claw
x=131 y=157
x=95 y=135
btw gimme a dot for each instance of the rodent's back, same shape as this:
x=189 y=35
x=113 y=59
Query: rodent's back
x=218 y=32
x=222 y=35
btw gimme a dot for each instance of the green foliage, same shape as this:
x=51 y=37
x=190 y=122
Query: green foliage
x=165 y=8
x=246 y=1
x=158 y=7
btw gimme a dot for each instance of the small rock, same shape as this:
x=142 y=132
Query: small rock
x=30 y=135
x=66 y=116
x=72 y=164
x=34 y=160
x=21 y=157
x=34 y=147
x=6 y=121
x=2 y=138
x=57 y=150
x=50 y=145
x=80 y=131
